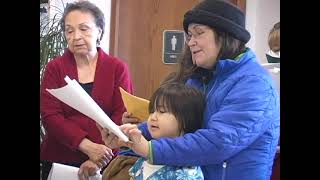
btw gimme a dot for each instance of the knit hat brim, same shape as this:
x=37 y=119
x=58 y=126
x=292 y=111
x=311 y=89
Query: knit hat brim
x=215 y=21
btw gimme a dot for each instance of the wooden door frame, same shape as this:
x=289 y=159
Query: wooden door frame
x=113 y=39
x=241 y=4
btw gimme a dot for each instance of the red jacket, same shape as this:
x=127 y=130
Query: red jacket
x=66 y=127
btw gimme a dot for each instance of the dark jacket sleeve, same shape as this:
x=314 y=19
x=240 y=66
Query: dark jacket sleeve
x=63 y=130
x=245 y=113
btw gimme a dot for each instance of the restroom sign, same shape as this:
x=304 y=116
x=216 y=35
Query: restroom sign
x=173 y=43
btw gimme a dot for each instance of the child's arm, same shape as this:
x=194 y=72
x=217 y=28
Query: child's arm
x=112 y=141
x=127 y=118
x=143 y=127
x=137 y=142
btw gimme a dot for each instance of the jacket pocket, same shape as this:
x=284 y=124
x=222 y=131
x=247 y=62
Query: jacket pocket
x=224 y=170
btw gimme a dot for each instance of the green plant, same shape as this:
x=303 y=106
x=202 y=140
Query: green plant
x=52 y=41
x=52 y=44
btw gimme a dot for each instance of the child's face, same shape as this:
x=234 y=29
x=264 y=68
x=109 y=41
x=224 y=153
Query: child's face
x=163 y=124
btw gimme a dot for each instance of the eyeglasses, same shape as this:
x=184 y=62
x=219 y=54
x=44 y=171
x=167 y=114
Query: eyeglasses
x=195 y=35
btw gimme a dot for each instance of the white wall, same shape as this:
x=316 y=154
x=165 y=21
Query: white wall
x=104 y=5
x=261 y=15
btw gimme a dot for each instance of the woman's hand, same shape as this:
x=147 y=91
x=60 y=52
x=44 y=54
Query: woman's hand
x=109 y=139
x=88 y=168
x=137 y=142
x=127 y=118
x=98 y=153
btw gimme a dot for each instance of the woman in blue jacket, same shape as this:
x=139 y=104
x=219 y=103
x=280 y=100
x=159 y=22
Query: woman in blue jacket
x=241 y=122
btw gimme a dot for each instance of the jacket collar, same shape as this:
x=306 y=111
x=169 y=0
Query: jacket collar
x=225 y=66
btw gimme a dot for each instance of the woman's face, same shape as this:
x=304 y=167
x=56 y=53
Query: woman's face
x=81 y=32
x=163 y=124
x=203 y=45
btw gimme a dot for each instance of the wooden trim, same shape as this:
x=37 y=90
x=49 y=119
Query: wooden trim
x=114 y=25
x=242 y=5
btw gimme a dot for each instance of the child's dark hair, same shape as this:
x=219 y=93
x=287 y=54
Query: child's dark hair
x=186 y=103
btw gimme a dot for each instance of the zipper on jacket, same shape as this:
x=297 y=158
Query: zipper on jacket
x=204 y=88
x=213 y=87
x=224 y=168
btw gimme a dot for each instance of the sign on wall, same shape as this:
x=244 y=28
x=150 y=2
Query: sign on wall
x=173 y=43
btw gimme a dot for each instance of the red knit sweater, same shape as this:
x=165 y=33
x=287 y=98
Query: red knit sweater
x=67 y=127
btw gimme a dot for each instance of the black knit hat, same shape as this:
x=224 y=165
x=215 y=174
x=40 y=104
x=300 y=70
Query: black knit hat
x=219 y=15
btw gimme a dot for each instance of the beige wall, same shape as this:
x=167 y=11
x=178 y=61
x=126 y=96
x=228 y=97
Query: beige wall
x=261 y=15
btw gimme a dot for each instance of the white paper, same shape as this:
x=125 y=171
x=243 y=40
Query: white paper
x=64 y=172
x=76 y=97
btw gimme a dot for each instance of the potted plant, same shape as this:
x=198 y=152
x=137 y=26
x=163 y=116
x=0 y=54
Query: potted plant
x=52 y=42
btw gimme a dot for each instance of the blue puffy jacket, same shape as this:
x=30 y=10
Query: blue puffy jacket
x=241 y=125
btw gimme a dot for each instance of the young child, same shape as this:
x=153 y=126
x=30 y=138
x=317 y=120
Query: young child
x=175 y=109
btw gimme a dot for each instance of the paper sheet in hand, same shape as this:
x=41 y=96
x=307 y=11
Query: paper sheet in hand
x=139 y=107
x=73 y=95
x=63 y=172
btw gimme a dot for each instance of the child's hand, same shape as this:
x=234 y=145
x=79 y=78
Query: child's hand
x=125 y=128
x=137 y=142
